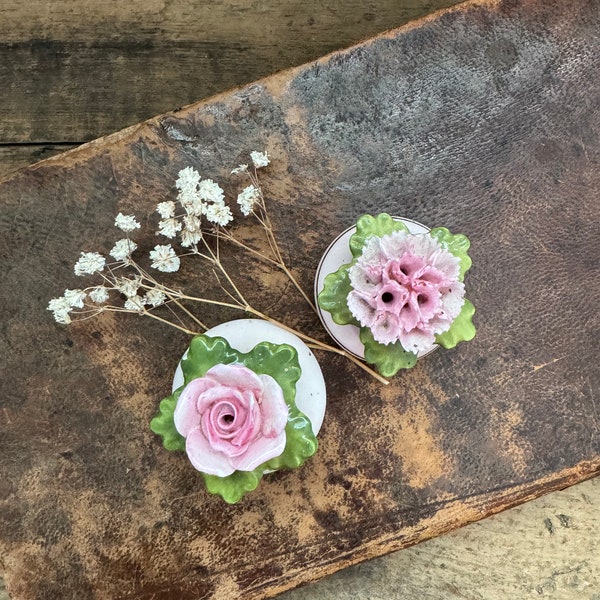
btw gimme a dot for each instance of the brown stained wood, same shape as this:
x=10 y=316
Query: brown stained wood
x=16 y=157
x=73 y=71
x=484 y=119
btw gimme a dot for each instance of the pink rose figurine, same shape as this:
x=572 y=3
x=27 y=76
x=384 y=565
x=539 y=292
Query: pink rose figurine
x=232 y=419
x=406 y=288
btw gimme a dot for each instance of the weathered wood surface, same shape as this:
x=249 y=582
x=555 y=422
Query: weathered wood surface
x=547 y=548
x=484 y=120
x=73 y=71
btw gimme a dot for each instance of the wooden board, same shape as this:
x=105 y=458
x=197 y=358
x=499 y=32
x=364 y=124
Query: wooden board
x=71 y=71
x=482 y=119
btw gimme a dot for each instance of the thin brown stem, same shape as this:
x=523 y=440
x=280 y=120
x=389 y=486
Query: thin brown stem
x=319 y=345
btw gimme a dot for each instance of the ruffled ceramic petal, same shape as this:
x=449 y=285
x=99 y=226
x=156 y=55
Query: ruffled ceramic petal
x=448 y=264
x=211 y=395
x=417 y=340
x=386 y=327
x=186 y=416
x=275 y=410
x=428 y=300
x=204 y=458
x=361 y=308
x=263 y=450
x=395 y=244
x=453 y=300
x=237 y=377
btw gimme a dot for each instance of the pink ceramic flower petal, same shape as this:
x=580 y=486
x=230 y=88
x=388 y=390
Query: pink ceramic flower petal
x=394 y=245
x=249 y=430
x=453 y=300
x=386 y=327
x=391 y=297
x=417 y=340
x=235 y=376
x=231 y=439
x=361 y=308
x=447 y=263
x=263 y=450
x=274 y=409
x=409 y=315
x=204 y=458
x=186 y=415
x=428 y=300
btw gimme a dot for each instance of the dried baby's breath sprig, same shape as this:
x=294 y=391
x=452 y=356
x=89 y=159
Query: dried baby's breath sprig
x=126 y=223
x=198 y=222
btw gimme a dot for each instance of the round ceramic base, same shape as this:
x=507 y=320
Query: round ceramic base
x=244 y=334
x=338 y=254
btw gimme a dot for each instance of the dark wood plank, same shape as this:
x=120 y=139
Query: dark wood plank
x=73 y=71
x=14 y=157
x=482 y=119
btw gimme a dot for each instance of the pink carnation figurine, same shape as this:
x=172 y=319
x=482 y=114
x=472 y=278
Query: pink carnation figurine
x=232 y=419
x=406 y=288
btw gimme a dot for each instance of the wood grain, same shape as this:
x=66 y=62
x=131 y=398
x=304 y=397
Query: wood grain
x=481 y=119
x=73 y=71
x=546 y=548
x=14 y=157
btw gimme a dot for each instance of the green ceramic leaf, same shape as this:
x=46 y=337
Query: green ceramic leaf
x=163 y=425
x=368 y=226
x=332 y=298
x=458 y=244
x=280 y=361
x=233 y=488
x=204 y=353
x=388 y=359
x=461 y=330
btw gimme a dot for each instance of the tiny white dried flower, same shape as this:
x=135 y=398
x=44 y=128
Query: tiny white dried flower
x=164 y=259
x=61 y=315
x=129 y=287
x=191 y=233
x=190 y=238
x=239 y=169
x=122 y=249
x=191 y=202
x=210 y=191
x=188 y=179
x=259 y=159
x=219 y=214
x=168 y=227
x=60 y=308
x=126 y=223
x=246 y=199
x=59 y=304
x=191 y=223
x=166 y=209
x=154 y=297
x=99 y=294
x=75 y=298
x=89 y=263
x=135 y=303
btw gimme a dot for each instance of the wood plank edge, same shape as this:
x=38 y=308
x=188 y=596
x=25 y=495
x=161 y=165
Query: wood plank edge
x=275 y=83
x=456 y=514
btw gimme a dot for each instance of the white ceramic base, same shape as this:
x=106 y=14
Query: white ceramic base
x=244 y=334
x=338 y=254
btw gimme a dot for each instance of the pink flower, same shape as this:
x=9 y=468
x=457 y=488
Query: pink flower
x=406 y=289
x=232 y=419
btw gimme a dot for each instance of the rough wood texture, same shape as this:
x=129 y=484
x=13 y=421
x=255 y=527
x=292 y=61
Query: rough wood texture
x=547 y=548
x=14 y=157
x=482 y=119
x=73 y=71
